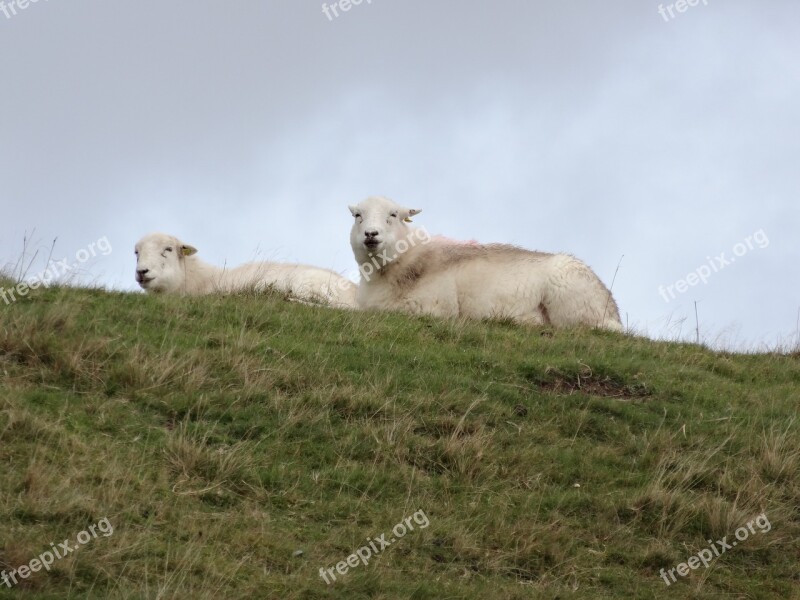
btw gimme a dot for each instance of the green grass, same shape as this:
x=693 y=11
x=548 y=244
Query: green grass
x=221 y=436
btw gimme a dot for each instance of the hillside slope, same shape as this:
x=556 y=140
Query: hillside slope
x=238 y=445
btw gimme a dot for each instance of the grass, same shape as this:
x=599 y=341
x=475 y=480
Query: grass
x=237 y=445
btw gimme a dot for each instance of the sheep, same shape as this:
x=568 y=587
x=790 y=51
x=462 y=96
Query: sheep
x=405 y=269
x=164 y=264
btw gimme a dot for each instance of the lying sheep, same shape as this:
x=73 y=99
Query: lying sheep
x=164 y=264
x=403 y=268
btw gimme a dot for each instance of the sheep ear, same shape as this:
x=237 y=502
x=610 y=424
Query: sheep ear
x=353 y=210
x=411 y=213
x=187 y=250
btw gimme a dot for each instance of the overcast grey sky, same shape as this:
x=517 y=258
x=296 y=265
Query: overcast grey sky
x=597 y=128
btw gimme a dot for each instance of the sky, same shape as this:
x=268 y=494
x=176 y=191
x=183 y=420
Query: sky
x=654 y=144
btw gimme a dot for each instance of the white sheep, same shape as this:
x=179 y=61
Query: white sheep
x=404 y=268
x=164 y=264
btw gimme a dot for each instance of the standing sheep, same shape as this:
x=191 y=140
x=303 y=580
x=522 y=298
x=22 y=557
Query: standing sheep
x=403 y=268
x=164 y=264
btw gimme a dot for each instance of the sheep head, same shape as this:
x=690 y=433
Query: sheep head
x=160 y=262
x=379 y=225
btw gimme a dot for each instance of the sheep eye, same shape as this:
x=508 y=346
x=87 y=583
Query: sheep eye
x=394 y=214
x=358 y=215
x=168 y=249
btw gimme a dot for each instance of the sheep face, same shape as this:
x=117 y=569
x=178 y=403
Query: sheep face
x=379 y=225
x=160 y=262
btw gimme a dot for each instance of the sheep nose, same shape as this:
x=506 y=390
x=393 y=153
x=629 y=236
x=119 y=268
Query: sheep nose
x=371 y=234
x=141 y=272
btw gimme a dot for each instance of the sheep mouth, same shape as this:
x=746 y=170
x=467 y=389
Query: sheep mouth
x=372 y=244
x=143 y=281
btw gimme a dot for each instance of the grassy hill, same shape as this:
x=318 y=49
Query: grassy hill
x=238 y=445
